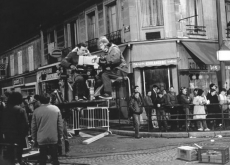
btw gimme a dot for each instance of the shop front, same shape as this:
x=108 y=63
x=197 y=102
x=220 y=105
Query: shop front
x=155 y=63
x=48 y=78
x=198 y=65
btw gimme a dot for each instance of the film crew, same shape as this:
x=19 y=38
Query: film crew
x=71 y=62
x=113 y=64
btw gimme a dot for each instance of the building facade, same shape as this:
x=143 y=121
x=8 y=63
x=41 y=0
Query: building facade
x=165 y=42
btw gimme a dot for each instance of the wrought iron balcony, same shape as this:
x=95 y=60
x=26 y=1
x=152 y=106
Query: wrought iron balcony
x=114 y=37
x=228 y=31
x=196 y=30
x=92 y=45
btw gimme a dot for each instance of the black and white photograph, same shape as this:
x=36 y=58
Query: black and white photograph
x=114 y=82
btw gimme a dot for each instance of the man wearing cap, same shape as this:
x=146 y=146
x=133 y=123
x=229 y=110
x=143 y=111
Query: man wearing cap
x=71 y=62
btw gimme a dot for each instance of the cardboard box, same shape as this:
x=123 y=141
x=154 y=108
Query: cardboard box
x=187 y=153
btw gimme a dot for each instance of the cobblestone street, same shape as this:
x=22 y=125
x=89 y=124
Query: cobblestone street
x=125 y=150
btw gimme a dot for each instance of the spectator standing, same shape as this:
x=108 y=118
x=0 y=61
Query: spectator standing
x=223 y=105
x=199 y=111
x=137 y=109
x=212 y=86
x=185 y=101
x=171 y=102
x=214 y=111
x=14 y=125
x=149 y=108
x=193 y=94
x=47 y=129
x=36 y=101
x=154 y=98
x=160 y=107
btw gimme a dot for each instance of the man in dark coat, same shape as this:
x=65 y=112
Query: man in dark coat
x=71 y=62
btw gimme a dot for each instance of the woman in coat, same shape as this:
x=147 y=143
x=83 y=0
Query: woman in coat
x=199 y=111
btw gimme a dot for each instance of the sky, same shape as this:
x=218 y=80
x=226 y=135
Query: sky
x=22 y=19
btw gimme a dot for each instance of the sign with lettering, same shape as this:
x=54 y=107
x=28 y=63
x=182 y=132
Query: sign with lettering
x=49 y=73
x=154 y=63
x=214 y=67
x=18 y=81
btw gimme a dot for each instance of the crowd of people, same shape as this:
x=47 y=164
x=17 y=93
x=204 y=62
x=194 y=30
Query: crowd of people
x=190 y=111
x=32 y=116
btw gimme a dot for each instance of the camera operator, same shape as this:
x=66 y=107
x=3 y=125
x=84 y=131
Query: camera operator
x=71 y=62
x=113 y=64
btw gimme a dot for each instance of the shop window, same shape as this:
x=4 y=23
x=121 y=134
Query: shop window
x=197 y=79
x=71 y=35
x=112 y=24
x=152 y=13
x=160 y=76
x=91 y=22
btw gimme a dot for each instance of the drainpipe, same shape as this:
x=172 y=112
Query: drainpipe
x=220 y=41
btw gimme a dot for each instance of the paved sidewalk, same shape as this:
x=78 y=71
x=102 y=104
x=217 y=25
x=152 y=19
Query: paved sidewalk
x=125 y=150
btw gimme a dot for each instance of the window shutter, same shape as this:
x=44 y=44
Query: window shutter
x=12 y=65
x=82 y=28
x=101 y=20
x=31 y=58
x=20 y=62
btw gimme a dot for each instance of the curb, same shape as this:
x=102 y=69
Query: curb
x=166 y=134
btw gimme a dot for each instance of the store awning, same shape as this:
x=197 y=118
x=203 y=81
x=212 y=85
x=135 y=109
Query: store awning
x=206 y=52
x=154 y=54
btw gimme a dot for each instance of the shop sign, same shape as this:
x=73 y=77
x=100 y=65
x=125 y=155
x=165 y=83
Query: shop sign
x=154 y=63
x=49 y=74
x=18 y=81
x=214 y=67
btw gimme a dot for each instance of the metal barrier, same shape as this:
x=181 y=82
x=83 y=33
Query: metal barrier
x=180 y=118
x=90 y=117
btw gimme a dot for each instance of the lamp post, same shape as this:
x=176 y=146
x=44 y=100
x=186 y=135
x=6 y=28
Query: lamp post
x=220 y=41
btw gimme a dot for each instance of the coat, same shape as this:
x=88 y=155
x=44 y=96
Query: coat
x=14 y=124
x=184 y=101
x=172 y=99
x=162 y=103
x=199 y=110
x=135 y=106
x=213 y=108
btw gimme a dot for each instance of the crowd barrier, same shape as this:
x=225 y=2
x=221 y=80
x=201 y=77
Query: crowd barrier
x=180 y=118
x=89 y=118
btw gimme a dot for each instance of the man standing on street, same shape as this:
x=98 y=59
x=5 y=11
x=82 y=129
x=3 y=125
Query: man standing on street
x=46 y=128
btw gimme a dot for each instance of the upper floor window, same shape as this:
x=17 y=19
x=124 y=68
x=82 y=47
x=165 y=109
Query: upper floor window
x=111 y=20
x=91 y=22
x=228 y=13
x=152 y=13
x=195 y=11
x=31 y=58
x=12 y=65
x=20 y=62
x=71 y=34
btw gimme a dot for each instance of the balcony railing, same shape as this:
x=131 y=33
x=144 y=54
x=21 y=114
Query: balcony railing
x=228 y=31
x=114 y=37
x=92 y=45
x=196 y=30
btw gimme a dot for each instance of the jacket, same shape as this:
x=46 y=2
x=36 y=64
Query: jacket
x=47 y=125
x=154 y=97
x=136 y=106
x=71 y=59
x=115 y=59
x=14 y=123
x=162 y=103
x=184 y=101
x=171 y=99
